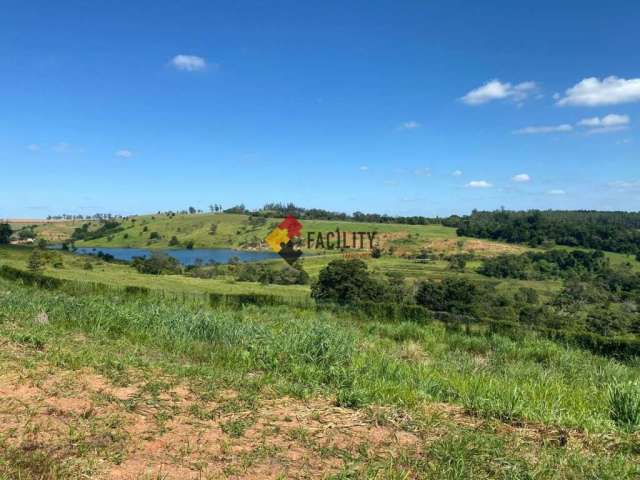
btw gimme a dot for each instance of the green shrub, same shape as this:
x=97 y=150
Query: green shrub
x=346 y=282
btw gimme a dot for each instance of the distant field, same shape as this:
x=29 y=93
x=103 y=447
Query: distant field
x=50 y=230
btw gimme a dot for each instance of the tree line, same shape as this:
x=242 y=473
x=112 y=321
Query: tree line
x=610 y=231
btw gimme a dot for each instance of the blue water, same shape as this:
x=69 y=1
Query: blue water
x=184 y=256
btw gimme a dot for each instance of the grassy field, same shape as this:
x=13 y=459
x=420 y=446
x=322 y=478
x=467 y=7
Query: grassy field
x=52 y=231
x=233 y=230
x=117 y=386
x=122 y=387
x=74 y=267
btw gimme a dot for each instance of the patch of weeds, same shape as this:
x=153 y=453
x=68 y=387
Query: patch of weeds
x=350 y=397
x=116 y=371
x=200 y=412
x=29 y=340
x=236 y=428
x=301 y=435
x=155 y=387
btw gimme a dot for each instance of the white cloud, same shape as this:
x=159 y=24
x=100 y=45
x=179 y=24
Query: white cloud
x=422 y=172
x=189 y=63
x=521 y=178
x=478 y=184
x=456 y=173
x=625 y=185
x=556 y=191
x=33 y=147
x=364 y=168
x=592 y=92
x=496 y=90
x=611 y=120
x=124 y=153
x=411 y=125
x=565 y=127
x=61 y=147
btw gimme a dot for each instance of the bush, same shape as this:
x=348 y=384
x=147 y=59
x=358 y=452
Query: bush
x=36 y=262
x=454 y=295
x=154 y=236
x=158 y=263
x=346 y=282
x=5 y=233
x=624 y=405
x=174 y=241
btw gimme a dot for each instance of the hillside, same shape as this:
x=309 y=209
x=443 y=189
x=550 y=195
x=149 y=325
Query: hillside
x=112 y=386
x=246 y=232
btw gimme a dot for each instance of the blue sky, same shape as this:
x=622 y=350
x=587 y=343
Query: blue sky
x=404 y=108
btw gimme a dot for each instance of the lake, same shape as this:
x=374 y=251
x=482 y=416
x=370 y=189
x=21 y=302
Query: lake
x=184 y=256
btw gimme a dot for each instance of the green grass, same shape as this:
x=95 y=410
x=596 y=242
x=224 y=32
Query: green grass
x=73 y=268
x=234 y=230
x=274 y=352
x=123 y=275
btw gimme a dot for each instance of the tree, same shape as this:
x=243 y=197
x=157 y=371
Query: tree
x=192 y=210
x=36 y=262
x=189 y=245
x=5 y=233
x=455 y=295
x=174 y=241
x=26 y=233
x=158 y=263
x=346 y=282
x=457 y=262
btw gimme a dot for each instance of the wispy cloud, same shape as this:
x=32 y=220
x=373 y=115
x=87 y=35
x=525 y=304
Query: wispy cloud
x=61 y=147
x=565 y=127
x=456 y=173
x=189 y=63
x=411 y=125
x=496 y=90
x=422 y=172
x=33 y=147
x=593 y=92
x=556 y=191
x=124 y=153
x=478 y=184
x=606 y=124
x=521 y=178
x=363 y=168
x=625 y=185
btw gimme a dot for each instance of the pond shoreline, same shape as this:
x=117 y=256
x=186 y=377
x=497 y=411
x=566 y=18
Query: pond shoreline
x=186 y=257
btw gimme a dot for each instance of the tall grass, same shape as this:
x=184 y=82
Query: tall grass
x=624 y=400
x=302 y=352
